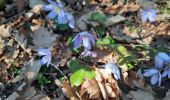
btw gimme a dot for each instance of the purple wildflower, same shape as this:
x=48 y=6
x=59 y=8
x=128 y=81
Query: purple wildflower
x=87 y=53
x=155 y=76
x=84 y=37
x=55 y=9
x=148 y=14
x=67 y=18
x=166 y=72
x=160 y=59
x=46 y=53
x=113 y=68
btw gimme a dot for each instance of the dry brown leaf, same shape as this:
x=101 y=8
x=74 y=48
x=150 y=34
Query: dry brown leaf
x=104 y=56
x=119 y=9
x=107 y=85
x=5 y=31
x=90 y=90
x=43 y=38
x=68 y=91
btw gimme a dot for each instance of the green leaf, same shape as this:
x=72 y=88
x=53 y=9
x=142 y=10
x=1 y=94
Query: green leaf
x=69 y=40
x=80 y=72
x=128 y=61
x=77 y=77
x=89 y=74
x=121 y=50
x=105 y=41
x=100 y=30
x=97 y=16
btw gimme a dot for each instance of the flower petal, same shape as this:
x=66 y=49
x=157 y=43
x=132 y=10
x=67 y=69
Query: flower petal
x=62 y=20
x=165 y=73
x=168 y=74
x=152 y=15
x=143 y=15
x=164 y=56
x=45 y=59
x=52 y=14
x=154 y=79
x=43 y=52
x=71 y=23
x=48 y=7
x=158 y=61
x=150 y=72
x=86 y=43
x=77 y=41
x=71 y=20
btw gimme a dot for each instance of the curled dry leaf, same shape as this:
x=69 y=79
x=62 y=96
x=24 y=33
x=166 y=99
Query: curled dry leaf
x=107 y=85
x=68 y=91
x=90 y=90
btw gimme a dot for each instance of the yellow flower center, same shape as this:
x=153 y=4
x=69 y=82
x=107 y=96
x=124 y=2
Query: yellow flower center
x=57 y=9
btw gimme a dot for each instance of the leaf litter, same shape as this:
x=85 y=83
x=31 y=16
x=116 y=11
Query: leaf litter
x=28 y=29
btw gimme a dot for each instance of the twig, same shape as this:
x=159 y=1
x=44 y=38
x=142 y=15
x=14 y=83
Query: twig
x=9 y=19
x=66 y=79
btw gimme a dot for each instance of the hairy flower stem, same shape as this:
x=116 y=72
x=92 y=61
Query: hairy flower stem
x=78 y=95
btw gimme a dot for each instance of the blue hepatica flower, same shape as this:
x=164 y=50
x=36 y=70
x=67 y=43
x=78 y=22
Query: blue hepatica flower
x=160 y=59
x=148 y=14
x=46 y=53
x=112 y=68
x=87 y=53
x=166 y=72
x=67 y=18
x=84 y=37
x=155 y=76
x=55 y=8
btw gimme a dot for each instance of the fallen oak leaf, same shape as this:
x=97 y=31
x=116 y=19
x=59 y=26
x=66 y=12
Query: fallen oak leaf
x=90 y=90
x=108 y=86
x=68 y=90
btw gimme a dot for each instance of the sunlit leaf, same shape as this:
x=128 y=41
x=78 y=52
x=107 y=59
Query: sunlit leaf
x=79 y=73
x=105 y=41
x=121 y=50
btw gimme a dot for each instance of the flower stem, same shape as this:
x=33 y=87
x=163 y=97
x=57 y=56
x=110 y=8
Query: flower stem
x=78 y=95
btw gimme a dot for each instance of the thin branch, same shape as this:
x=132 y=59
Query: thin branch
x=78 y=95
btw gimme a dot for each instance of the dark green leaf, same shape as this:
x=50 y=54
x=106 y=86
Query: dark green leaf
x=97 y=16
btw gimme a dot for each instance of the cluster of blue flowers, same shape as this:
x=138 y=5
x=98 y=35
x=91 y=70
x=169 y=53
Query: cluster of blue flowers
x=87 y=40
x=161 y=69
x=58 y=14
